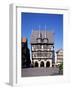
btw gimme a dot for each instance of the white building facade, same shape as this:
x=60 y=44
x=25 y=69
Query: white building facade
x=59 y=56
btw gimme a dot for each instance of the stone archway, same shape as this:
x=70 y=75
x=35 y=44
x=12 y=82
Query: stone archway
x=47 y=64
x=36 y=64
x=42 y=64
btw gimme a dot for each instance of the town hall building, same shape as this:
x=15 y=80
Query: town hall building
x=42 y=48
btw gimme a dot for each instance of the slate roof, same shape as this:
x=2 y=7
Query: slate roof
x=36 y=34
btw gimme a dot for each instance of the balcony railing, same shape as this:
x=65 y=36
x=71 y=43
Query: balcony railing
x=42 y=57
x=42 y=49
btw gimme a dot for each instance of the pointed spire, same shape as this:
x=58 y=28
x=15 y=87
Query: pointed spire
x=45 y=26
x=45 y=30
x=39 y=30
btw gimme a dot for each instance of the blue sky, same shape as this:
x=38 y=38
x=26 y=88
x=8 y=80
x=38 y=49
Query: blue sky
x=53 y=22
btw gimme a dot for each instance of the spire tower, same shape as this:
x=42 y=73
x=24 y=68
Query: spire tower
x=45 y=30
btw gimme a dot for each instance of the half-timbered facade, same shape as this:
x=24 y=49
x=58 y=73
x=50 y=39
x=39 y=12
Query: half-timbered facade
x=42 y=48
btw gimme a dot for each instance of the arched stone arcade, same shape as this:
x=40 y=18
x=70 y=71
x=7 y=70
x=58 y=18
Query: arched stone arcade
x=42 y=63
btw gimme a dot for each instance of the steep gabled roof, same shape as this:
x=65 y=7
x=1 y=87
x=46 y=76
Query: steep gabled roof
x=59 y=50
x=44 y=34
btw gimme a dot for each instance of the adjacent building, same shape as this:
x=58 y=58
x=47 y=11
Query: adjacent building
x=25 y=54
x=59 y=56
x=42 y=48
